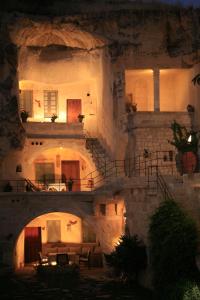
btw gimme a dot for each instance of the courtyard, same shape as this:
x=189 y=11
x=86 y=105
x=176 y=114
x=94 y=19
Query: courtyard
x=94 y=283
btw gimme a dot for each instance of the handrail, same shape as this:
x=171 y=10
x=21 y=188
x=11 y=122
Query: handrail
x=160 y=183
x=132 y=166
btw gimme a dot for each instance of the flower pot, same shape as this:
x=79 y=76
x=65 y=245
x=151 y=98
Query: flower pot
x=189 y=162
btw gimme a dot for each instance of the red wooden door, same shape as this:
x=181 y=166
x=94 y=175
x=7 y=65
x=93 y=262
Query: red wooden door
x=71 y=169
x=32 y=243
x=73 y=110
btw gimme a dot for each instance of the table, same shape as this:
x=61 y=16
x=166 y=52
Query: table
x=73 y=257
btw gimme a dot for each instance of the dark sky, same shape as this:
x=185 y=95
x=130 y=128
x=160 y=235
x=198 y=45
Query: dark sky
x=184 y=2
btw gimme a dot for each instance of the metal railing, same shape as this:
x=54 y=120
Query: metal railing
x=158 y=182
x=162 y=161
x=27 y=185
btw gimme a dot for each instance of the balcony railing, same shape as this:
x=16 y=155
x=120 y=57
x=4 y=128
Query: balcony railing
x=26 y=185
x=131 y=167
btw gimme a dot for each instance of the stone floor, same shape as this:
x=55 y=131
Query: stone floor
x=94 y=284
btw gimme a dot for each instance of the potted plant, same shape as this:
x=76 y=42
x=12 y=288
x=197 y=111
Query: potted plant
x=53 y=118
x=80 y=118
x=186 y=143
x=24 y=115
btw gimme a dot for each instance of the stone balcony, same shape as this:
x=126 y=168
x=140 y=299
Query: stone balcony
x=53 y=130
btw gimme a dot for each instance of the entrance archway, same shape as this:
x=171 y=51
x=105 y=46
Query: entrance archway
x=47 y=233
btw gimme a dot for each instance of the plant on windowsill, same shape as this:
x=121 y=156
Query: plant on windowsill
x=53 y=118
x=24 y=115
x=186 y=143
x=81 y=117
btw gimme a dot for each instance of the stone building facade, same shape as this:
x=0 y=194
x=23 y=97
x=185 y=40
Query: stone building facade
x=102 y=65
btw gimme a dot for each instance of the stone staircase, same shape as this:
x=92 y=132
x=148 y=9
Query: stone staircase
x=99 y=155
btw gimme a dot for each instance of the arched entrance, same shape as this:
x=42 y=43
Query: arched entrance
x=50 y=234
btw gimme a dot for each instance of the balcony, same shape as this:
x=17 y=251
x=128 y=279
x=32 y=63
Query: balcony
x=53 y=130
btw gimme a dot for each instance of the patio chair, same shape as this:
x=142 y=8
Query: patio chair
x=62 y=259
x=85 y=258
x=43 y=259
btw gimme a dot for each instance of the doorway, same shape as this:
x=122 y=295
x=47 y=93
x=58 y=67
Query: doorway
x=71 y=169
x=73 y=110
x=32 y=244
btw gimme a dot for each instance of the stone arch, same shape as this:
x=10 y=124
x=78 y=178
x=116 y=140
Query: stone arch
x=44 y=33
x=39 y=220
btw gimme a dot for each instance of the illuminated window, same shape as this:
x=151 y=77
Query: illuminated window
x=50 y=103
x=26 y=101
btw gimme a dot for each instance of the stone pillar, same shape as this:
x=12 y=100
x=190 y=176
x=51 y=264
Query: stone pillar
x=156 y=83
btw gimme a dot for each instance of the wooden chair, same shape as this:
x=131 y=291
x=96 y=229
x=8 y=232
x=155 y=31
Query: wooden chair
x=43 y=260
x=62 y=259
x=85 y=258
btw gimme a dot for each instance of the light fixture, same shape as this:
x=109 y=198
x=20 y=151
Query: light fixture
x=189 y=138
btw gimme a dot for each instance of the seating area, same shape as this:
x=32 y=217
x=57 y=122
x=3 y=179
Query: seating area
x=59 y=254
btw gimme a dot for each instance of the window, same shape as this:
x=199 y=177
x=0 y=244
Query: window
x=88 y=234
x=53 y=231
x=44 y=172
x=50 y=103
x=102 y=209
x=26 y=101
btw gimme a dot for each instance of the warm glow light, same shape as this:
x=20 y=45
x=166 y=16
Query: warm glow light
x=53 y=263
x=116 y=241
x=189 y=138
x=62 y=115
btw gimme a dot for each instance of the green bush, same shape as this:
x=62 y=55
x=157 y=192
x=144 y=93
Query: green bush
x=128 y=258
x=182 y=290
x=173 y=246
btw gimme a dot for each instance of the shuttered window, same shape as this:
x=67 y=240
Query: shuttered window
x=53 y=231
x=44 y=172
x=50 y=103
x=26 y=101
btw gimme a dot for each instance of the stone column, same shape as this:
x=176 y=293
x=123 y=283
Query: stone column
x=156 y=83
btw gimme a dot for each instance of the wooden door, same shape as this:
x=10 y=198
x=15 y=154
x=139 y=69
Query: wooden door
x=32 y=244
x=73 y=110
x=71 y=169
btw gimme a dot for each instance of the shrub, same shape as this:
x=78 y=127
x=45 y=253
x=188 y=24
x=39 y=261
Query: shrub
x=182 y=290
x=128 y=258
x=173 y=245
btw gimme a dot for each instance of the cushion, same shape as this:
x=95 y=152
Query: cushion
x=85 y=250
x=74 y=249
x=62 y=250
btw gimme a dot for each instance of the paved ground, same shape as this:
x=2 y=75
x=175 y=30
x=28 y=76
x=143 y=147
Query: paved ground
x=93 y=284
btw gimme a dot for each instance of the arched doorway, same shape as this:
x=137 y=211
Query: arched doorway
x=50 y=233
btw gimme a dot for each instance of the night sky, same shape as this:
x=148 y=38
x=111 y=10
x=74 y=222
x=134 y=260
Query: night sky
x=184 y=2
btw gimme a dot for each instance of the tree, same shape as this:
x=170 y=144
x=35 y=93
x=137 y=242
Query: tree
x=128 y=258
x=173 y=245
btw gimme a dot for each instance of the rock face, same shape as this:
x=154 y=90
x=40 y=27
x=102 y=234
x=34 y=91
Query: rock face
x=130 y=37
x=11 y=132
